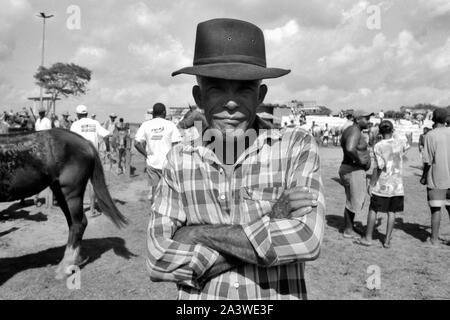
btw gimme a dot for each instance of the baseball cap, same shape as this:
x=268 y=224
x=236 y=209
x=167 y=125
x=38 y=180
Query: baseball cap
x=81 y=109
x=66 y=113
x=440 y=115
x=113 y=115
x=361 y=114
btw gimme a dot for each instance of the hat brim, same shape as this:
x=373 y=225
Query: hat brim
x=233 y=71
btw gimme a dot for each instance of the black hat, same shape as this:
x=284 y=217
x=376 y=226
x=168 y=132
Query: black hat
x=230 y=49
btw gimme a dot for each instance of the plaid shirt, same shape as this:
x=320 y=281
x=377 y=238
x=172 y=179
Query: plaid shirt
x=195 y=189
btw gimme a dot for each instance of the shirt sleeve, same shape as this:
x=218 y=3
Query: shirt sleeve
x=428 y=152
x=176 y=137
x=379 y=157
x=284 y=241
x=169 y=260
x=140 y=134
x=102 y=132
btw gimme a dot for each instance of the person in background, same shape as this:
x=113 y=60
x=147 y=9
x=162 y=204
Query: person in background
x=65 y=123
x=381 y=115
x=42 y=123
x=110 y=140
x=386 y=184
x=55 y=121
x=94 y=116
x=421 y=144
x=352 y=171
x=325 y=135
x=436 y=171
x=123 y=147
x=159 y=135
x=92 y=131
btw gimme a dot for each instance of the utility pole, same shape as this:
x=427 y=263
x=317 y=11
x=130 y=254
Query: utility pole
x=44 y=17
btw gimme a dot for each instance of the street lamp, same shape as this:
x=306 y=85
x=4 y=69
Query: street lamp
x=43 y=16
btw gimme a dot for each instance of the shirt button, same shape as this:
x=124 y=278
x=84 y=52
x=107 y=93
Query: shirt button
x=222 y=197
x=236 y=285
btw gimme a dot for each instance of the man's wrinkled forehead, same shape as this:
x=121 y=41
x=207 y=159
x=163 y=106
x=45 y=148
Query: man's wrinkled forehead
x=201 y=81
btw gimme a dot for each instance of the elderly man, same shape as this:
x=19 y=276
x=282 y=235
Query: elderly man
x=352 y=171
x=238 y=212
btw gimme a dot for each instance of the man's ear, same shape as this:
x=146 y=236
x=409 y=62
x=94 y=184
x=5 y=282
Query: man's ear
x=262 y=93
x=197 y=94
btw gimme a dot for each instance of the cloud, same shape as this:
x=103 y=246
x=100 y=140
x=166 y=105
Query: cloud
x=287 y=31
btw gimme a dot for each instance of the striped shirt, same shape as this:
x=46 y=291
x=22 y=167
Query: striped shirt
x=196 y=189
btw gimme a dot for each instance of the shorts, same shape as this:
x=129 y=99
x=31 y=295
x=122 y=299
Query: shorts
x=355 y=185
x=438 y=197
x=154 y=175
x=387 y=204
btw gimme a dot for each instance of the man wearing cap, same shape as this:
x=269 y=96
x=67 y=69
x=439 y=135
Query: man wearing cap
x=159 y=135
x=436 y=171
x=90 y=130
x=42 y=123
x=65 y=123
x=239 y=210
x=352 y=171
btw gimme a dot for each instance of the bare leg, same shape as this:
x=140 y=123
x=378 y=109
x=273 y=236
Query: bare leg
x=389 y=229
x=349 y=230
x=435 y=224
x=371 y=220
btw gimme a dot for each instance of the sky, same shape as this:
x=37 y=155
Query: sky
x=341 y=55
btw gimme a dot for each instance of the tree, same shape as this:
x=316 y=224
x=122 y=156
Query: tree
x=63 y=79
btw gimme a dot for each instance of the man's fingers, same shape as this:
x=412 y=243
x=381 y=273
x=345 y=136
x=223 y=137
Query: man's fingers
x=298 y=204
x=301 y=212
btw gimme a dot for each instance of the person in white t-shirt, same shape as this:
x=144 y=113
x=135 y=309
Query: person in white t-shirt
x=159 y=135
x=42 y=123
x=91 y=130
x=88 y=128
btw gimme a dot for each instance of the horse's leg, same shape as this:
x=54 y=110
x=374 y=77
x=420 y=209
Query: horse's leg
x=72 y=206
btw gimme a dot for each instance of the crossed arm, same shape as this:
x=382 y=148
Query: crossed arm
x=292 y=231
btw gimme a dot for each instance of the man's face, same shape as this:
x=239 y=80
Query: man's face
x=229 y=105
x=363 y=122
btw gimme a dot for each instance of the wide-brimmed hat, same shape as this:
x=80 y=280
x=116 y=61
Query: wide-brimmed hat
x=230 y=49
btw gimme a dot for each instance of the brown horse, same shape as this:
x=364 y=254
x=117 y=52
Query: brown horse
x=63 y=161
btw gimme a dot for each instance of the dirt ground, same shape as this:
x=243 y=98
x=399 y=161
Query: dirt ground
x=32 y=242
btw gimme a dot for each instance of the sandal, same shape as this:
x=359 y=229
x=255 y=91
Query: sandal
x=363 y=242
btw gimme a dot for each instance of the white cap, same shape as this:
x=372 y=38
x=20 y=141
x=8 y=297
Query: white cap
x=81 y=109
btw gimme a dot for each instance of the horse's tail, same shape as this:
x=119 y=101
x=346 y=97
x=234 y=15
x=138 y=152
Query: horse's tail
x=105 y=201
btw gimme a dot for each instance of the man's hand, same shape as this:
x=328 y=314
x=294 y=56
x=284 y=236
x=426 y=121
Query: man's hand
x=294 y=203
x=423 y=181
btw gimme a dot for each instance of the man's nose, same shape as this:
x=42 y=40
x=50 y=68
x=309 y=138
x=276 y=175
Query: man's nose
x=231 y=105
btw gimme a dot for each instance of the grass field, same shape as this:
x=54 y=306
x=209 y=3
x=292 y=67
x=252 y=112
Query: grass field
x=32 y=242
